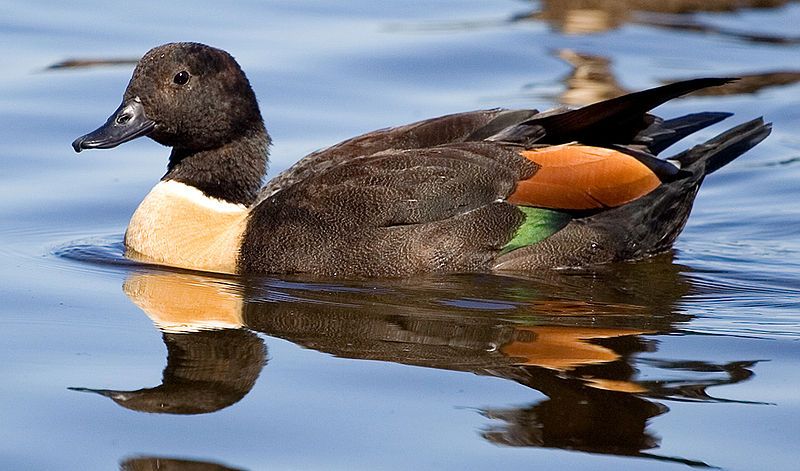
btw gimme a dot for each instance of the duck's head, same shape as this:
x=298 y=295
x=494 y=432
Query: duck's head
x=185 y=95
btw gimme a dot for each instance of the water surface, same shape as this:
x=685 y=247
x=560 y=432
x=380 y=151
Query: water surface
x=688 y=359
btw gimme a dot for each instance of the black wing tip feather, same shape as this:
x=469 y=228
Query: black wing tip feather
x=710 y=81
x=653 y=97
x=664 y=133
x=616 y=119
x=685 y=87
x=694 y=119
x=725 y=147
x=754 y=132
x=606 y=122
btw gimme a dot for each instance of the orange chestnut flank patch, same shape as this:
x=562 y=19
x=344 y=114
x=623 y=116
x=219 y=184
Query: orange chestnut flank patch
x=583 y=177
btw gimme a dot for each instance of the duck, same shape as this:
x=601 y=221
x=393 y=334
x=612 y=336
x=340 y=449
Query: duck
x=487 y=191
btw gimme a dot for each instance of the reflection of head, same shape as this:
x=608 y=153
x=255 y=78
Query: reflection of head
x=206 y=371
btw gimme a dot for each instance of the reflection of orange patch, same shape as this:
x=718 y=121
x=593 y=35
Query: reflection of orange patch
x=583 y=177
x=616 y=385
x=561 y=348
x=579 y=308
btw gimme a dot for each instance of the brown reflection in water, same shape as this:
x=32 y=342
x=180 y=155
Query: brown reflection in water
x=206 y=371
x=157 y=463
x=592 y=80
x=573 y=336
x=594 y=16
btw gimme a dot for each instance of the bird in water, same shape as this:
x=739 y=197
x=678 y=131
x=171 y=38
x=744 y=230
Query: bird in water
x=494 y=190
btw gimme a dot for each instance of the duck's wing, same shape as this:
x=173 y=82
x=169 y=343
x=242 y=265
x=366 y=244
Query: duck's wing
x=393 y=213
x=450 y=208
x=447 y=129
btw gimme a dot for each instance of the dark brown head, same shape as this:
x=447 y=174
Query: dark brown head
x=184 y=95
x=195 y=99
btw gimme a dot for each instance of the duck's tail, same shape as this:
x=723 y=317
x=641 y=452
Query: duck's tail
x=644 y=227
x=710 y=156
x=657 y=219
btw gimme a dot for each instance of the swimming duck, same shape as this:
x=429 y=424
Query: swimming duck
x=483 y=191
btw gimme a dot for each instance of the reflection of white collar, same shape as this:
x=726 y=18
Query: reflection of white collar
x=184 y=303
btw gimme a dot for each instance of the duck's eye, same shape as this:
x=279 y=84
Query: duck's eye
x=181 y=77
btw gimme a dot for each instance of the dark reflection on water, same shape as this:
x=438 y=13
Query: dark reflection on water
x=158 y=463
x=84 y=63
x=206 y=371
x=572 y=336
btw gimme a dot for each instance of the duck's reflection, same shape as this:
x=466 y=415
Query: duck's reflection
x=575 y=337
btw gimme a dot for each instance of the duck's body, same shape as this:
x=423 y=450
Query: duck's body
x=489 y=190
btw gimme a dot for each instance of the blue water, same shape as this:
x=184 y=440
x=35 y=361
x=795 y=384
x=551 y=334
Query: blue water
x=689 y=359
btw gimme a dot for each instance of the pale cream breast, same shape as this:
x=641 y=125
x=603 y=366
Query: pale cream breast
x=179 y=226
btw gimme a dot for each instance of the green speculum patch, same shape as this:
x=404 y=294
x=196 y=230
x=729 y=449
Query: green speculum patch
x=539 y=224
